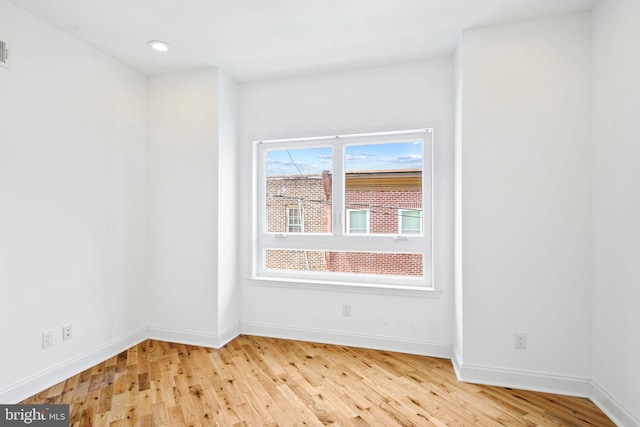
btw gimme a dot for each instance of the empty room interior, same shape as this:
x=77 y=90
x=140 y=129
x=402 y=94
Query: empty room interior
x=391 y=212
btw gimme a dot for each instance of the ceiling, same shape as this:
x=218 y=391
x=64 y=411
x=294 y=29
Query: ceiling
x=259 y=39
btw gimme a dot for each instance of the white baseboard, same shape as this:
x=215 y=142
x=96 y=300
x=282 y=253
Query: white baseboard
x=182 y=336
x=60 y=372
x=228 y=334
x=610 y=406
x=423 y=348
x=524 y=380
x=194 y=338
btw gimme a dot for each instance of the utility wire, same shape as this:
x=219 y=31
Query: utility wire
x=351 y=204
x=295 y=164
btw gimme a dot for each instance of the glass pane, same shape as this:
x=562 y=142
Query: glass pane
x=298 y=190
x=410 y=221
x=388 y=264
x=384 y=179
x=357 y=221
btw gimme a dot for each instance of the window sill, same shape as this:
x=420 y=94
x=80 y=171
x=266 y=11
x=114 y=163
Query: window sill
x=366 y=288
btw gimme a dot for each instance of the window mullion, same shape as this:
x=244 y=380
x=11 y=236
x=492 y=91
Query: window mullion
x=374 y=243
x=337 y=198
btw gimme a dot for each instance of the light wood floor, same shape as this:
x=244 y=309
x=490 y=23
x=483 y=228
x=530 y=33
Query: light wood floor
x=267 y=382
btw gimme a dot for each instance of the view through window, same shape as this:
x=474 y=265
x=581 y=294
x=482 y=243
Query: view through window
x=352 y=208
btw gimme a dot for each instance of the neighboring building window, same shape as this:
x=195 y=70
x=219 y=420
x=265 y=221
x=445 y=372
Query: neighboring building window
x=409 y=221
x=345 y=209
x=357 y=221
x=295 y=223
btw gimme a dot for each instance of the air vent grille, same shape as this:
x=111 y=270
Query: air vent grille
x=4 y=54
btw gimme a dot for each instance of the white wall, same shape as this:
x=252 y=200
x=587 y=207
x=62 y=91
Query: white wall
x=194 y=294
x=525 y=203
x=183 y=206
x=616 y=209
x=405 y=96
x=227 y=170
x=72 y=204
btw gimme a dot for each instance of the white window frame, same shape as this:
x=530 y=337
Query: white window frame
x=367 y=219
x=401 y=212
x=300 y=216
x=339 y=240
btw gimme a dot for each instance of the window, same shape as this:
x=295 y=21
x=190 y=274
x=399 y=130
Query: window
x=345 y=209
x=409 y=221
x=295 y=223
x=357 y=221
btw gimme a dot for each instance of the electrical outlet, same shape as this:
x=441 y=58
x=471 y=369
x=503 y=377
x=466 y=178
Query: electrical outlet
x=47 y=339
x=67 y=332
x=346 y=310
x=520 y=340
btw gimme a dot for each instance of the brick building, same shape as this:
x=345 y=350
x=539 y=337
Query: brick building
x=297 y=204
x=377 y=202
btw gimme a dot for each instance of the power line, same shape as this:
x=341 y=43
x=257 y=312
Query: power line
x=295 y=164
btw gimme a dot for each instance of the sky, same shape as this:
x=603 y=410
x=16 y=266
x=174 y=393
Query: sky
x=312 y=161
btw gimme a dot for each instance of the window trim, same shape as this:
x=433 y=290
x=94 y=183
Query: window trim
x=338 y=239
x=400 y=221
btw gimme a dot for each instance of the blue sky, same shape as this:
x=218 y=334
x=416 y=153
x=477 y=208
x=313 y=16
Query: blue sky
x=312 y=161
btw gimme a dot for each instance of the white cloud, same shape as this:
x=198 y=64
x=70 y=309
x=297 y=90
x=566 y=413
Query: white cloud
x=278 y=162
x=410 y=158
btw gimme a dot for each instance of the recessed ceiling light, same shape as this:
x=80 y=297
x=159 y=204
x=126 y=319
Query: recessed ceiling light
x=158 y=45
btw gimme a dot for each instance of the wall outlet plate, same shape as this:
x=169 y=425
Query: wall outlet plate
x=47 y=339
x=5 y=53
x=346 y=310
x=520 y=340
x=67 y=332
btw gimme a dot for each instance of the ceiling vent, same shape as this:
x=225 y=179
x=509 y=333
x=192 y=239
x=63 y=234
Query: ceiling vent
x=4 y=53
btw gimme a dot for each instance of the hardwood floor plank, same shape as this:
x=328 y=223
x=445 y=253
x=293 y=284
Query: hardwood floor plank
x=260 y=408
x=295 y=408
x=257 y=381
x=119 y=407
x=102 y=419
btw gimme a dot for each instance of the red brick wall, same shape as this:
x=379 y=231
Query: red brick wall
x=376 y=263
x=345 y=262
x=383 y=207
